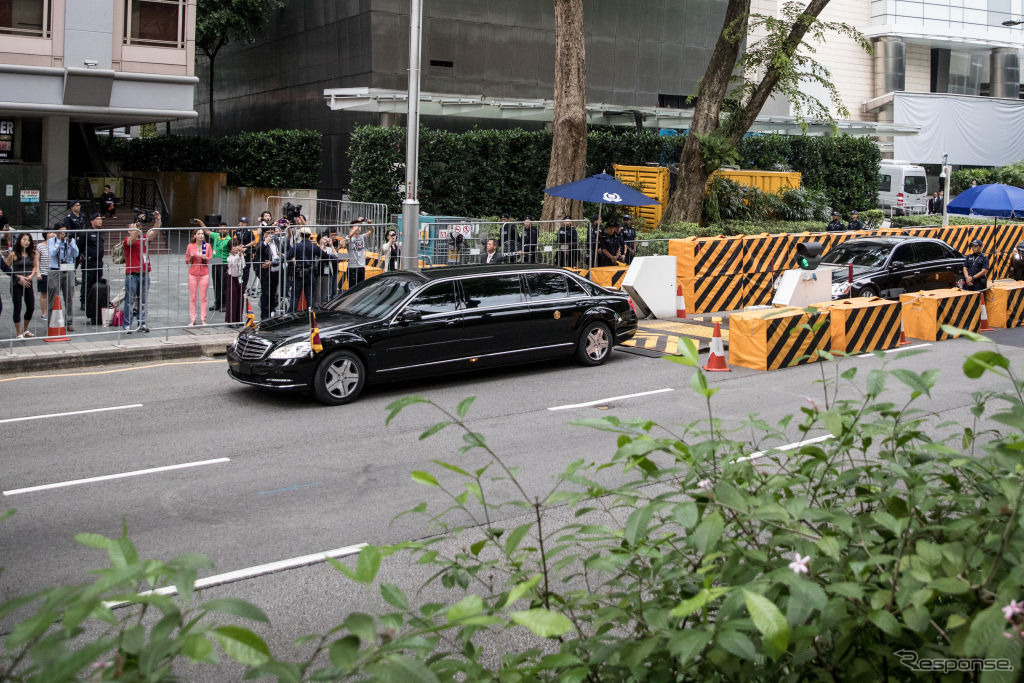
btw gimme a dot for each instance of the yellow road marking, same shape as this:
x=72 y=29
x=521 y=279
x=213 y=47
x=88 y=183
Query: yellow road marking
x=685 y=329
x=107 y=372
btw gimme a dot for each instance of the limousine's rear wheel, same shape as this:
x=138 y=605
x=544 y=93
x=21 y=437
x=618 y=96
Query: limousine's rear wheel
x=339 y=378
x=595 y=344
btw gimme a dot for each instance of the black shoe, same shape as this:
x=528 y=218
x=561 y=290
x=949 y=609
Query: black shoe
x=214 y=308
x=144 y=327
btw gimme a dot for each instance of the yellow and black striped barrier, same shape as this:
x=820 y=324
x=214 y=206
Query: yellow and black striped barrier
x=1004 y=302
x=863 y=324
x=924 y=313
x=778 y=338
x=707 y=256
x=713 y=293
x=766 y=253
x=758 y=289
x=609 y=276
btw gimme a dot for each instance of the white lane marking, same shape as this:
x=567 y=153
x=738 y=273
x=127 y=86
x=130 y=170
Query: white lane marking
x=787 y=447
x=609 y=399
x=896 y=350
x=253 y=572
x=108 y=477
x=73 y=412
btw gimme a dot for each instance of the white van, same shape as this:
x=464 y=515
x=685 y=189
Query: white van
x=903 y=188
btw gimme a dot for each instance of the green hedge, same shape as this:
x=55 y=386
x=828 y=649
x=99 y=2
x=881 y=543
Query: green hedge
x=488 y=172
x=842 y=167
x=1007 y=175
x=936 y=219
x=273 y=158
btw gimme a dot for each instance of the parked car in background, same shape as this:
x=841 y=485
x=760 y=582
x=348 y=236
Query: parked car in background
x=890 y=266
x=902 y=188
x=403 y=325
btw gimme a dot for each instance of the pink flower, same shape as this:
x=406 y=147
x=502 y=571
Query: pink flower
x=704 y=484
x=1013 y=609
x=799 y=565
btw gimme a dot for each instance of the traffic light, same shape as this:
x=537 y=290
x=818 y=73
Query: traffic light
x=808 y=255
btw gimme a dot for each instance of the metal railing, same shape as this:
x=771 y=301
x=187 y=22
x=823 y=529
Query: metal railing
x=329 y=211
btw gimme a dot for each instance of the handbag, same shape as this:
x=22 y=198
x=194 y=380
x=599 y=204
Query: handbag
x=117 y=318
x=107 y=316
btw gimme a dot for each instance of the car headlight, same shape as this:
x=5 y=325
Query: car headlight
x=840 y=288
x=294 y=350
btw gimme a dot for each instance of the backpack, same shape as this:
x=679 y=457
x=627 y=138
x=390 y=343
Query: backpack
x=117 y=253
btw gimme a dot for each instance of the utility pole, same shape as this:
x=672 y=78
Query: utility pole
x=411 y=203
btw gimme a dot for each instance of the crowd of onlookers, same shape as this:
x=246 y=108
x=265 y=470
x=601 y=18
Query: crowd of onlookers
x=606 y=243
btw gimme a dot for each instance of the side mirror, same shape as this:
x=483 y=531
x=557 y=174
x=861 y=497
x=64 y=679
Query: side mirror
x=896 y=265
x=409 y=315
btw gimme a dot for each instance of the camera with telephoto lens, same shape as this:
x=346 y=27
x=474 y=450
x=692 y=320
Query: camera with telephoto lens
x=141 y=216
x=292 y=212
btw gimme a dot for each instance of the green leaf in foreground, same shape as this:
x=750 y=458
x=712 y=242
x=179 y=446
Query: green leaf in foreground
x=242 y=645
x=542 y=622
x=768 y=619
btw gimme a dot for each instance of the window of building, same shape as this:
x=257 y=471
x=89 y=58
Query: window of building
x=25 y=17
x=155 y=22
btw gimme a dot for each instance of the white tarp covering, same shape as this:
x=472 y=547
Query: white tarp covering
x=974 y=131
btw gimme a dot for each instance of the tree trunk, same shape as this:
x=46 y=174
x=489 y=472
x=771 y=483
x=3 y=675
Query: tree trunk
x=209 y=130
x=687 y=201
x=569 y=138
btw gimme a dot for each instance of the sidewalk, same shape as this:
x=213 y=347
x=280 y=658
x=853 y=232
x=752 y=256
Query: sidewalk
x=36 y=355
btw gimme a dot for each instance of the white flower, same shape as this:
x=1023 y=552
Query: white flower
x=704 y=484
x=799 y=565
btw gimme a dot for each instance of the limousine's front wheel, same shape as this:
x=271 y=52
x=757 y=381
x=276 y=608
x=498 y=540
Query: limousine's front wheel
x=339 y=378
x=595 y=344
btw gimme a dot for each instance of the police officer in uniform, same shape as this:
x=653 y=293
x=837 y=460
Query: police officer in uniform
x=855 y=223
x=75 y=224
x=609 y=250
x=628 y=234
x=509 y=239
x=976 y=268
x=567 y=242
x=530 y=239
x=837 y=224
x=302 y=255
x=90 y=250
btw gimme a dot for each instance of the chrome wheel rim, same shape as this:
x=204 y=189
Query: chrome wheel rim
x=597 y=343
x=342 y=378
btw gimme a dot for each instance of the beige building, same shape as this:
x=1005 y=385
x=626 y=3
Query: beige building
x=949 y=67
x=70 y=66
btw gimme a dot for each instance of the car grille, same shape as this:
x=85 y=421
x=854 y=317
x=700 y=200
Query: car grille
x=251 y=348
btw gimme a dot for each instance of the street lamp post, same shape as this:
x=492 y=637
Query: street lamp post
x=411 y=203
x=944 y=179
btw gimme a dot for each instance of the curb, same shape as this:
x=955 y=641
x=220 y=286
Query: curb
x=64 y=361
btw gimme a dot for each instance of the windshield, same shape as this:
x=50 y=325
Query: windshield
x=915 y=184
x=863 y=254
x=376 y=297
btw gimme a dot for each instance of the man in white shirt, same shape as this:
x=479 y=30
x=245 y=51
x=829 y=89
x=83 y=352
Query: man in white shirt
x=63 y=252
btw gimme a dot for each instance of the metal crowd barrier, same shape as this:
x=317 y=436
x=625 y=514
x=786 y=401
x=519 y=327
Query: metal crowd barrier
x=330 y=211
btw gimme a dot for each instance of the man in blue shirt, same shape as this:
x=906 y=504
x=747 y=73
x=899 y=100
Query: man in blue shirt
x=63 y=253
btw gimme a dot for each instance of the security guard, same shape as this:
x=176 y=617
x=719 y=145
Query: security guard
x=837 y=224
x=855 y=223
x=609 y=249
x=530 y=238
x=567 y=242
x=302 y=255
x=975 y=268
x=628 y=235
x=509 y=237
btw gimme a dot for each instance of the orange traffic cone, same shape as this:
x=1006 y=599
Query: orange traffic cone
x=983 y=327
x=716 y=358
x=55 y=330
x=903 y=334
x=680 y=302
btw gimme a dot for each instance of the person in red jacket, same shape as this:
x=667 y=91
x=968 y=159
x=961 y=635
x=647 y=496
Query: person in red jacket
x=137 y=267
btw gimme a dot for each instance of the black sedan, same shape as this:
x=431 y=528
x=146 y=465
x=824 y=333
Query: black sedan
x=890 y=266
x=400 y=325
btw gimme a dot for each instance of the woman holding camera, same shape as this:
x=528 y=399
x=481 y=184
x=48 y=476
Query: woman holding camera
x=233 y=302
x=197 y=256
x=390 y=252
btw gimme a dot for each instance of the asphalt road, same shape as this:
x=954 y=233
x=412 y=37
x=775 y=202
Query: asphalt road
x=302 y=478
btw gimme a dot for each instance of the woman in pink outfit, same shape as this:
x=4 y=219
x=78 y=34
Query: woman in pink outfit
x=197 y=256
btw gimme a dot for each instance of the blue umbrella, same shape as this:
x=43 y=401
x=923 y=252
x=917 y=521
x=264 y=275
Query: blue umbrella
x=601 y=189
x=989 y=200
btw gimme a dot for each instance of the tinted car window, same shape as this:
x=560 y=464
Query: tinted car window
x=886 y=183
x=546 y=286
x=499 y=290
x=437 y=298
x=376 y=297
x=859 y=254
x=929 y=251
x=576 y=289
x=915 y=184
x=904 y=253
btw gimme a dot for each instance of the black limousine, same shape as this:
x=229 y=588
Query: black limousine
x=889 y=266
x=402 y=325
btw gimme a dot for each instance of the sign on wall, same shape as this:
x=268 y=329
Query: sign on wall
x=6 y=138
